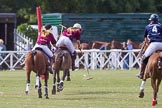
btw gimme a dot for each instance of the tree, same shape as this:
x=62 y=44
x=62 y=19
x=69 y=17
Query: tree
x=28 y=31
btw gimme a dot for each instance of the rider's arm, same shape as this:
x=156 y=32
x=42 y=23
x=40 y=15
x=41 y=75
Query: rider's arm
x=78 y=42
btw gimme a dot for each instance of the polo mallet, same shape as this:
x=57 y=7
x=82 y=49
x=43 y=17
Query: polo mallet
x=88 y=76
x=62 y=27
x=141 y=50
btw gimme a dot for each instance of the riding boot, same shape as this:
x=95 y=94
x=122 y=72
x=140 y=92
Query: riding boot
x=142 y=70
x=73 y=64
x=50 y=68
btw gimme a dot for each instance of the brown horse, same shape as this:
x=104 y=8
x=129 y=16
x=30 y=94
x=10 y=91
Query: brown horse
x=37 y=61
x=154 y=71
x=62 y=62
x=99 y=44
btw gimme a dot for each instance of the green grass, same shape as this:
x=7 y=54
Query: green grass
x=107 y=89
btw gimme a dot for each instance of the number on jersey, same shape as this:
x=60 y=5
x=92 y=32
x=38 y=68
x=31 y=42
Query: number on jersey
x=154 y=29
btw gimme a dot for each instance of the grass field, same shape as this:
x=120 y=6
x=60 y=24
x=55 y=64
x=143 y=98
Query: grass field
x=107 y=89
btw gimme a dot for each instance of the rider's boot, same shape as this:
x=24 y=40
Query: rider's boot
x=50 y=67
x=142 y=70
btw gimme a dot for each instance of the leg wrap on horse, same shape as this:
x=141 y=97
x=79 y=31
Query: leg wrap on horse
x=73 y=56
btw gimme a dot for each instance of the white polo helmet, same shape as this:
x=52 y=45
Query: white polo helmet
x=77 y=25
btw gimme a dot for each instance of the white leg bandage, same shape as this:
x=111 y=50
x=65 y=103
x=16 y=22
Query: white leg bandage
x=142 y=87
x=27 y=86
x=37 y=81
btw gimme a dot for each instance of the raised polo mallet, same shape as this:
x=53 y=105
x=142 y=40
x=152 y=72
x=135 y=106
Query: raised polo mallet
x=62 y=27
x=88 y=76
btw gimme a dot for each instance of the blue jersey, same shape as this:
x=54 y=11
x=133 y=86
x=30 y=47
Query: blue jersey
x=153 y=32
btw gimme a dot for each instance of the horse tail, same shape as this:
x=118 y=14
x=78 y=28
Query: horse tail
x=34 y=52
x=159 y=64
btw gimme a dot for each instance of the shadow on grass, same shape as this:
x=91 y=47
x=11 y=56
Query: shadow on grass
x=99 y=92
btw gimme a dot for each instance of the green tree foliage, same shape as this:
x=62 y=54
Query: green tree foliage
x=26 y=9
x=27 y=30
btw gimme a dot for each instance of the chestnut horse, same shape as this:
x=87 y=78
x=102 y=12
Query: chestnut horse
x=62 y=62
x=37 y=62
x=154 y=71
x=99 y=44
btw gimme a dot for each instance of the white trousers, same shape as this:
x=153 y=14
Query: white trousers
x=65 y=41
x=152 y=48
x=45 y=49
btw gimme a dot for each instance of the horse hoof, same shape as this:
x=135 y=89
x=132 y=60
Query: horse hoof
x=46 y=96
x=26 y=92
x=53 y=92
x=40 y=96
x=58 y=90
x=68 y=79
x=36 y=86
x=61 y=86
x=154 y=102
x=141 y=95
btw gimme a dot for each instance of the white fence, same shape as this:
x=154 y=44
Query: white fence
x=22 y=42
x=92 y=59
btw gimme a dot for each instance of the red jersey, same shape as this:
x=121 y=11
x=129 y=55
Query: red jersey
x=72 y=33
x=46 y=39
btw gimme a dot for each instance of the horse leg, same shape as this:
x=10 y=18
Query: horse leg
x=54 y=83
x=38 y=85
x=40 y=90
x=68 y=75
x=46 y=88
x=27 y=82
x=158 y=83
x=153 y=84
x=61 y=84
x=142 y=87
x=37 y=81
x=58 y=80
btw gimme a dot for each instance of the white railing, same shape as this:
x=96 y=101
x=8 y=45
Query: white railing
x=109 y=59
x=92 y=59
x=22 y=42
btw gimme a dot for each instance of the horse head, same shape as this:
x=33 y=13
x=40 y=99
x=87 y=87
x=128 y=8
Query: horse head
x=116 y=45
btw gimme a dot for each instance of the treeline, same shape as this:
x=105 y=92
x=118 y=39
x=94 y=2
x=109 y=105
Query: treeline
x=26 y=9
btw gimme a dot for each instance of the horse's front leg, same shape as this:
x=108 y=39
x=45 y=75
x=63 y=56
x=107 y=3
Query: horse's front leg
x=142 y=87
x=27 y=82
x=54 y=83
x=46 y=88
